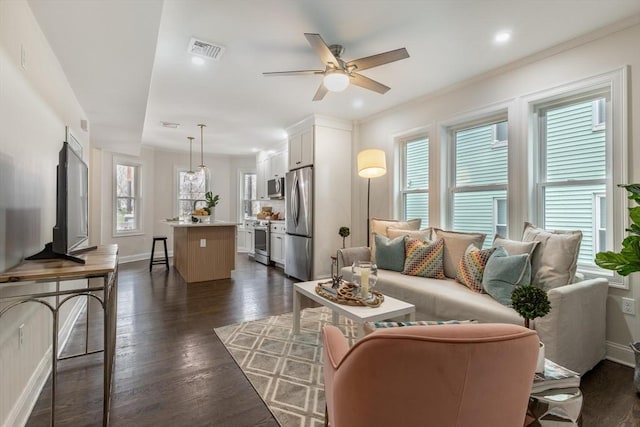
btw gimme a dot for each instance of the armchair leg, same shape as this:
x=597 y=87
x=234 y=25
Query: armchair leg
x=326 y=416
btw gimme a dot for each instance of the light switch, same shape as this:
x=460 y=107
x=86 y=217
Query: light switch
x=203 y=243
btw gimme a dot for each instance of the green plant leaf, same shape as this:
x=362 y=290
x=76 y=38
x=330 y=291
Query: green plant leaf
x=530 y=302
x=634 y=191
x=634 y=214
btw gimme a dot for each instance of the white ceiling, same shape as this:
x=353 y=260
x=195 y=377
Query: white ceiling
x=128 y=64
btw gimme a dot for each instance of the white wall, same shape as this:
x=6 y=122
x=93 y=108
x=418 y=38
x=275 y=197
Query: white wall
x=568 y=63
x=36 y=103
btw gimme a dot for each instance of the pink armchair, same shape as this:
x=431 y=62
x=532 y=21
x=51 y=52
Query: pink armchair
x=476 y=375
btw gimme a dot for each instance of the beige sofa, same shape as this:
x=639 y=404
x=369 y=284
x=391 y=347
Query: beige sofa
x=573 y=332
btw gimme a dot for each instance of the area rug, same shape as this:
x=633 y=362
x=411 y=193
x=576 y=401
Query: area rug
x=285 y=370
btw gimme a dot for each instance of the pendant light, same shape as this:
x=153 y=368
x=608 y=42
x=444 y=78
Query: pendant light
x=202 y=168
x=190 y=175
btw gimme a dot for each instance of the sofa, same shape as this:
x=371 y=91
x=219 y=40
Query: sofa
x=573 y=331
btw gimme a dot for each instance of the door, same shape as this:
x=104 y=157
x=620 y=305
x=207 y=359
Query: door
x=299 y=197
x=298 y=259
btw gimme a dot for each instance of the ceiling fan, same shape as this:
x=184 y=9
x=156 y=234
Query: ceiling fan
x=339 y=73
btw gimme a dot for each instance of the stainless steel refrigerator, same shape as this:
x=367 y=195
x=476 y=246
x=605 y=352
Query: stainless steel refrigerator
x=299 y=219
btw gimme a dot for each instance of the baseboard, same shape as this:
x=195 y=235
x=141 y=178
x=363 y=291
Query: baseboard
x=138 y=257
x=19 y=414
x=620 y=354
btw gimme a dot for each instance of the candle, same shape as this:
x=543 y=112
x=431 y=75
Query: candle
x=365 y=283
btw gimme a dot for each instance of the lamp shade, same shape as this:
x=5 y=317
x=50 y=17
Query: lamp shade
x=336 y=81
x=371 y=163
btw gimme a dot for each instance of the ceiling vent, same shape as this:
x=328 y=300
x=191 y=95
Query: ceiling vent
x=170 y=125
x=206 y=49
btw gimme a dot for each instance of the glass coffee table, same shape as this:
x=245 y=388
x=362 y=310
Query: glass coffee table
x=391 y=308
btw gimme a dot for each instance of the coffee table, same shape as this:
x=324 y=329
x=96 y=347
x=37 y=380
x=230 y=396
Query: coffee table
x=389 y=309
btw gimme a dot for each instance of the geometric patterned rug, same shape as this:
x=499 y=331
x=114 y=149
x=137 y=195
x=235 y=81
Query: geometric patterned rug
x=285 y=370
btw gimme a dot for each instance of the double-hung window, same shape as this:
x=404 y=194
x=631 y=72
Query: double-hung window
x=414 y=191
x=478 y=189
x=572 y=184
x=127 y=203
x=191 y=191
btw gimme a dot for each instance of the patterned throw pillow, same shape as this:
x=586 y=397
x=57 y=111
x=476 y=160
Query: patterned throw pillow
x=471 y=267
x=372 y=326
x=424 y=258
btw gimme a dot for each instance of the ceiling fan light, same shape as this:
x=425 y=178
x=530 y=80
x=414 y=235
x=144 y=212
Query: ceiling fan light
x=336 y=81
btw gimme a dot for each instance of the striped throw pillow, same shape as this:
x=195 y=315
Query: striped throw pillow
x=423 y=258
x=471 y=267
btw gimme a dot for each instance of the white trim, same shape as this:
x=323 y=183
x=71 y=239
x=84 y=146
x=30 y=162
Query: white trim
x=145 y=256
x=620 y=354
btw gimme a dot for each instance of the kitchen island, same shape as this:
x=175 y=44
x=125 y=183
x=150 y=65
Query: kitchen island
x=204 y=251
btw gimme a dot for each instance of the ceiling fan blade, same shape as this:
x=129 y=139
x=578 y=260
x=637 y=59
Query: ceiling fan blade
x=379 y=59
x=321 y=92
x=293 y=73
x=367 y=83
x=322 y=49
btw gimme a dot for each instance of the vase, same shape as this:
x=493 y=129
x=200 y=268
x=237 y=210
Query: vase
x=636 y=374
x=540 y=362
x=365 y=276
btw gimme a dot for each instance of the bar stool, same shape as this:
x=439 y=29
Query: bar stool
x=164 y=261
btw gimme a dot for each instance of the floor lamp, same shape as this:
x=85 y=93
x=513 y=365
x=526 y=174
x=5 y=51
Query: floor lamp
x=371 y=164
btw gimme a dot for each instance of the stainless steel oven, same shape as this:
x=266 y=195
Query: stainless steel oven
x=261 y=242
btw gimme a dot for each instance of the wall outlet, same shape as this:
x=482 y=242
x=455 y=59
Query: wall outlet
x=203 y=243
x=21 y=336
x=629 y=306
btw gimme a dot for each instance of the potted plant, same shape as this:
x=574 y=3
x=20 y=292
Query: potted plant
x=212 y=201
x=344 y=232
x=530 y=302
x=626 y=261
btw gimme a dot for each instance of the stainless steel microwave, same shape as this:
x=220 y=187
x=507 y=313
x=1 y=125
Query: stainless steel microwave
x=275 y=188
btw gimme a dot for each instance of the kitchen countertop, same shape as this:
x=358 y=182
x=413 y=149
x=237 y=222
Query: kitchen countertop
x=201 y=224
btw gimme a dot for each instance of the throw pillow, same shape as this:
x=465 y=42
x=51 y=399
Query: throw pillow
x=504 y=272
x=514 y=247
x=389 y=252
x=471 y=267
x=380 y=226
x=372 y=326
x=423 y=234
x=423 y=258
x=455 y=244
x=555 y=260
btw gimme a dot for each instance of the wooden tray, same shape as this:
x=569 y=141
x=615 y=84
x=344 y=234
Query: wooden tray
x=347 y=294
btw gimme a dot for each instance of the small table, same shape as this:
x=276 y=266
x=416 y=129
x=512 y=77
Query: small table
x=389 y=309
x=558 y=407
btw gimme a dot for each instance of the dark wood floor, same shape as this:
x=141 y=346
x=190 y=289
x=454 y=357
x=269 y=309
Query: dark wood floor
x=172 y=370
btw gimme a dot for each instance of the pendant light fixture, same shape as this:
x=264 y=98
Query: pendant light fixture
x=190 y=175
x=203 y=169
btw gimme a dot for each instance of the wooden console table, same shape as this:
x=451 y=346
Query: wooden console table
x=101 y=263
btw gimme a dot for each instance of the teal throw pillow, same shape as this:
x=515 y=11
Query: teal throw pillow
x=503 y=273
x=389 y=252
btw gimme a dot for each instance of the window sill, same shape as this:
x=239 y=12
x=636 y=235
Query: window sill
x=128 y=234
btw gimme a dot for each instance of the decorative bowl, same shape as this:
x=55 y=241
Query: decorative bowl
x=202 y=218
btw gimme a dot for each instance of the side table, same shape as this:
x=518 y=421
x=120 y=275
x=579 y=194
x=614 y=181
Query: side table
x=555 y=407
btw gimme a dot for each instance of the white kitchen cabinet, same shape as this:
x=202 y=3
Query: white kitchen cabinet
x=249 y=242
x=263 y=168
x=278 y=164
x=301 y=149
x=277 y=250
x=241 y=241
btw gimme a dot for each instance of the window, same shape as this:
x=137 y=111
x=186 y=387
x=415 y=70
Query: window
x=127 y=210
x=598 y=116
x=500 y=216
x=248 y=195
x=600 y=223
x=479 y=188
x=500 y=138
x=573 y=171
x=190 y=191
x=414 y=190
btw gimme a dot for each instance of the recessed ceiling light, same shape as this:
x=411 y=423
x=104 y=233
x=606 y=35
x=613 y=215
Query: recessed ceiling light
x=357 y=103
x=197 y=60
x=255 y=150
x=502 y=37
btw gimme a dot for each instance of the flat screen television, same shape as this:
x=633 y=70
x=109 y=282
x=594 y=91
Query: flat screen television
x=72 y=209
